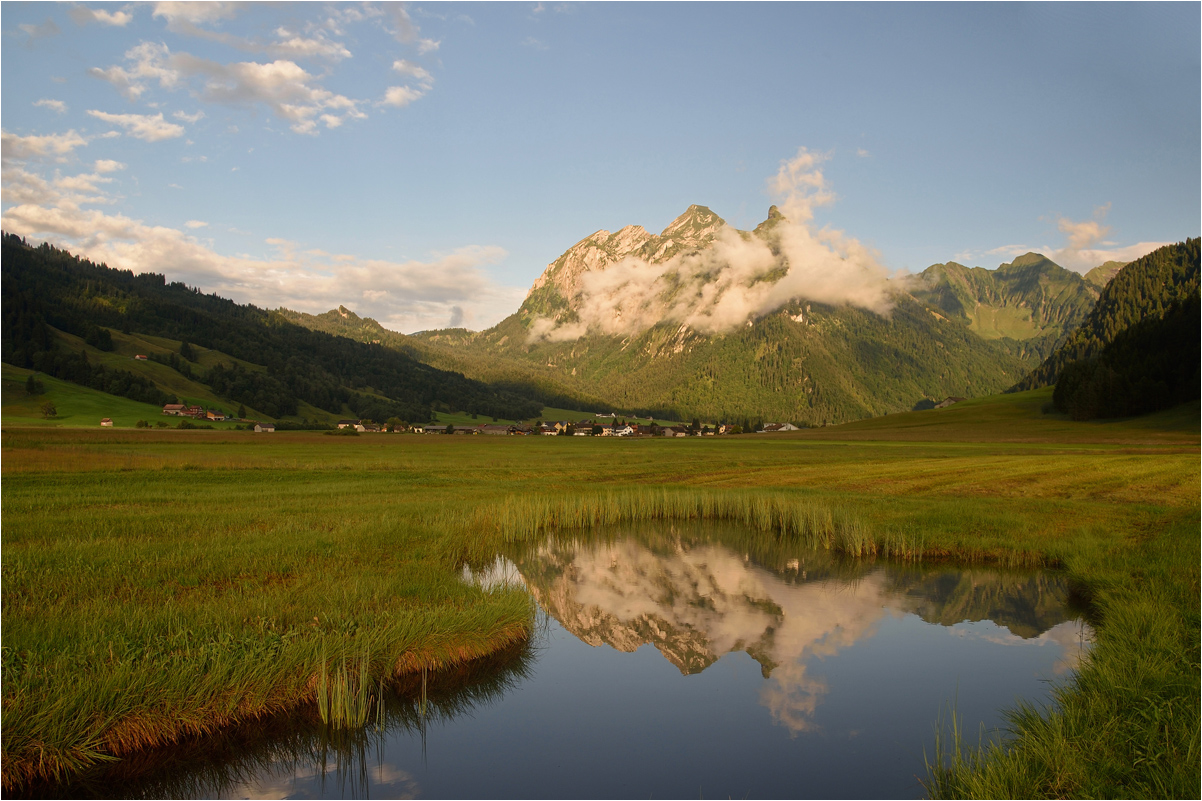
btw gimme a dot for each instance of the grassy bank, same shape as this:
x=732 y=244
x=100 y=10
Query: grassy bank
x=163 y=582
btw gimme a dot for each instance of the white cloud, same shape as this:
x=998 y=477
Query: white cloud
x=53 y=105
x=142 y=126
x=189 y=118
x=283 y=86
x=108 y=165
x=862 y=153
x=425 y=46
x=400 y=96
x=83 y=184
x=736 y=279
x=296 y=46
x=181 y=15
x=413 y=70
x=148 y=63
x=195 y=224
x=27 y=147
x=82 y=15
x=533 y=44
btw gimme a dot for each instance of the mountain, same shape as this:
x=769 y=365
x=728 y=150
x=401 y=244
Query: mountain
x=51 y=297
x=1030 y=304
x=1145 y=288
x=604 y=321
x=1100 y=276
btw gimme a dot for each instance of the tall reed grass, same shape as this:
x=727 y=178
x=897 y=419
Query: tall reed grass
x=779 y=515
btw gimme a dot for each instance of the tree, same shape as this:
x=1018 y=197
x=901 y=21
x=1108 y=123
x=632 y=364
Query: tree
x=241 y=412
x=450 y=428
x=33 y=386
x=186 y=351
x=49 y=410
x=597 y=430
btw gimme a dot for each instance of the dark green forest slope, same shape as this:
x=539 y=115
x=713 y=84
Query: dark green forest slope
x=1146 y=288
x=46 y=289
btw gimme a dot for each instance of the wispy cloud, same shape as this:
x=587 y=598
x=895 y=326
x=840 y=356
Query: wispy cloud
x=400 y=96
x=54 y=105
x=1086 y=245
x=82 y=15
x=34 y=32
x=34 y=147
x=141 y=126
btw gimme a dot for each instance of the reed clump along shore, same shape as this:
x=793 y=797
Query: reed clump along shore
x=158 y=584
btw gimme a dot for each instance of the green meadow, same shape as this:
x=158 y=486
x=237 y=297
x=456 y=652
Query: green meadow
x=159 y=583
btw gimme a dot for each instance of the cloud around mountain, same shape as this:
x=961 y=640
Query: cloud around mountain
x=736 y=277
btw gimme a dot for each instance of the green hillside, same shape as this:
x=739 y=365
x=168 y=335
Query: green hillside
x=806 y=363
x=75 y=406
x=55 y=304
x=1146 y=287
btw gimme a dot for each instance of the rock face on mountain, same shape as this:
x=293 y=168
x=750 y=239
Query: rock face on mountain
x=559 y=286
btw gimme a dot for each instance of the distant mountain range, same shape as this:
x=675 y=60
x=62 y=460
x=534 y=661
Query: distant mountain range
x=952 y=330
x=625 y=321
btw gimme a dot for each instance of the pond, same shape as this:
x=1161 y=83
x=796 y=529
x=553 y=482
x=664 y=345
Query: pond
x=679 y=661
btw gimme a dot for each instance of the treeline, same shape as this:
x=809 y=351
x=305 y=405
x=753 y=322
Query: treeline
x=1146 y=288
x=1149 y=366
x=48 y=287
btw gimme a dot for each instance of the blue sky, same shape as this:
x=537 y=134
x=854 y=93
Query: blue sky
x=422 y=163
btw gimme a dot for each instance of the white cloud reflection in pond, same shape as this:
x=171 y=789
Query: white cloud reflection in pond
x=696 y=602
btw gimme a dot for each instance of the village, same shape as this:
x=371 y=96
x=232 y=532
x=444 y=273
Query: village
x=600 y=425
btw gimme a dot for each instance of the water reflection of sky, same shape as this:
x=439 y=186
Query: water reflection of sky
x=678 y=669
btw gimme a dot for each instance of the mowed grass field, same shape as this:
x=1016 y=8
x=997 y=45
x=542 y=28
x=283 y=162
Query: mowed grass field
x=158 y=582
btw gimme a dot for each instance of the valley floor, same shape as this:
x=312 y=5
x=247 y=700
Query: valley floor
x=160 y=583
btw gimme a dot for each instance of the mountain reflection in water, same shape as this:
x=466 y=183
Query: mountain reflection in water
x=695 y=599
x=851 y=661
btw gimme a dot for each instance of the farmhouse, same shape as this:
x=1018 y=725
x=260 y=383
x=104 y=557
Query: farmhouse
x=944 y=404
x=772 y=428
x=106 y=422
x=268 y=428
x=495 y=429
x=174 y=409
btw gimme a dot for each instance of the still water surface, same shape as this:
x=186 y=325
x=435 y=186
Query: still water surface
x=679 y=663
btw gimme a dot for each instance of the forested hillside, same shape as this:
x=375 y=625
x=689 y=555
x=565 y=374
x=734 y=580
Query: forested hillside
x=46 y=289
x=1146 y=288
x=1149 y=366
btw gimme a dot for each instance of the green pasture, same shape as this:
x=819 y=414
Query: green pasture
x=76 y=406
x=159 y=583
